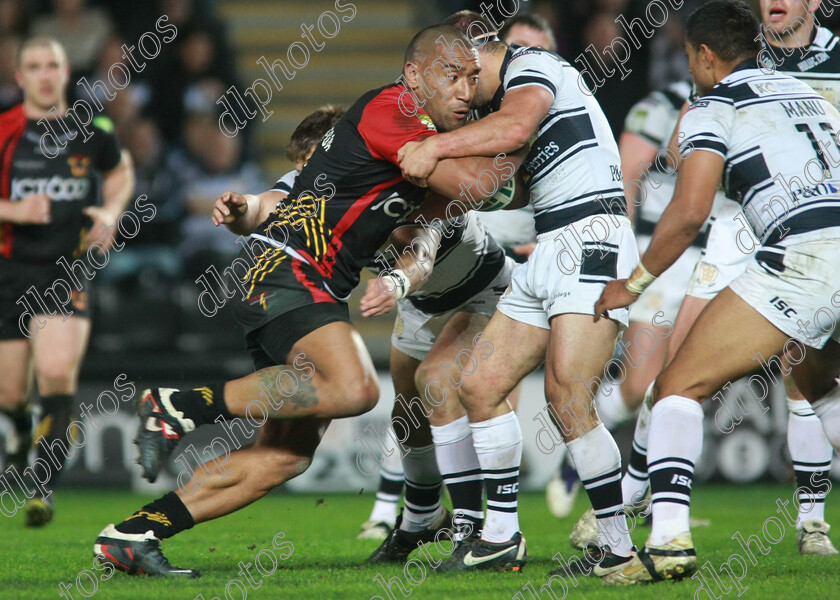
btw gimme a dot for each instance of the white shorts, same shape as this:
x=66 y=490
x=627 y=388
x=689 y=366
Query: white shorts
x=796 y=285
x=724 y=258
x=415 y=331
x=568 y=270
x=667 y=291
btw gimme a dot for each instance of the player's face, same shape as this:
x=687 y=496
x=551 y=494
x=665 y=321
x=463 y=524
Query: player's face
x=522 y=35
x=781 y=15
x=454 y=88
x=700 y=69
x=43 y=75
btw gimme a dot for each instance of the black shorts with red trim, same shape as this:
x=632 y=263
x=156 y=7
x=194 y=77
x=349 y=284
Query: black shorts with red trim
x=285 y=301
x=30 y=295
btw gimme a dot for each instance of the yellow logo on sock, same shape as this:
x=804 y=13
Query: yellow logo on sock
x=206 y=393
x=157 y=517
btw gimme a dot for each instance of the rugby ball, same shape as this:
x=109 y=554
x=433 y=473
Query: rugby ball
x=503 y=196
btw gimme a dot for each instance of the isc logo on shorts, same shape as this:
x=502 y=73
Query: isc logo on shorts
x=783 y=307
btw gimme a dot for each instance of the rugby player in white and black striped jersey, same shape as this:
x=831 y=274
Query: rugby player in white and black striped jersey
x=772 y=307
x=793 y=45
x=584 y=240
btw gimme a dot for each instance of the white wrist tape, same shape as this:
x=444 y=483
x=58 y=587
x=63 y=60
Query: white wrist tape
x=639 y=280
x=402 y=283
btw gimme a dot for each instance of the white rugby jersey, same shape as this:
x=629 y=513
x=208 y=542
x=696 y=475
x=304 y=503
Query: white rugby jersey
x=654 y=118
x=510 y=227
x=818 y=64
x=465 y=264
x=782 y=159
x=285 y=183
x=573 y=159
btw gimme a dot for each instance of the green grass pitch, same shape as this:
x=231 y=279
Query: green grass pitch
x=328 y=562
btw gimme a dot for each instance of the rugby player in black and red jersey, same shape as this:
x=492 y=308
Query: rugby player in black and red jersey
x=345 y=203
x=50 y=213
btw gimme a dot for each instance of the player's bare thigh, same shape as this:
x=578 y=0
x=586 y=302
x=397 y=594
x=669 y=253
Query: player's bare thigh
x=642 y=367
x=409 y=419
x=335 y=376
x=14 y=373
x=689 y=311
x=58 y=350
x=719 y=348
x=817 y=374
x=508 y=351
x=452 y=360
x=578 y=349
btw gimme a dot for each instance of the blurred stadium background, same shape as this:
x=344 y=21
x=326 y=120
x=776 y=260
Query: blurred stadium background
x=146 y=323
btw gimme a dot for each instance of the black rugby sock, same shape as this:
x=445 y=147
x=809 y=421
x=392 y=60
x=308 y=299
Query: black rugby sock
x=51 y=442
x=203 y=404
x=165 y=517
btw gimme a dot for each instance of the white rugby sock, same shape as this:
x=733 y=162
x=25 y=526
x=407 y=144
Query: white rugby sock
x=598 y=463
x=676 y=441
x=635 y=482
x=390 y=490
x=610 y=405
x=498 y=444
x=461 y=472
x=422 y=489
x=810 y=452
x=828 y=411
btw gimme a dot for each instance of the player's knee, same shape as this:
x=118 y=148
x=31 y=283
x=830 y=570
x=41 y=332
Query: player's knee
x=56 y=377
x=423 y=375
x=11 y=398
x=362 y=395
x=281 y=466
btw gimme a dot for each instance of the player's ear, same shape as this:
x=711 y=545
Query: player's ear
x=707 y=54
x=411 y=72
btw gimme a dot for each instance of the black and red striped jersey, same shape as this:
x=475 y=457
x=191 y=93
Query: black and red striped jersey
x=71 y=180
x=351 y=195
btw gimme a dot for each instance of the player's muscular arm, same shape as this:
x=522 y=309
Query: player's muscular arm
x=117 y=187
x=33 y=210
x=419 y=247
x=636 y=152
x=504 y=131
x=241 y=213
x=457 y=177
x=697 y=182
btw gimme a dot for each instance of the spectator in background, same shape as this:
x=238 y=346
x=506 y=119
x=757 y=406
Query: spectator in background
x=219 y=167
x=126 y=103
x=152 y=249
x=198 y=75
x=13 y=19
x=81 y=30
x=10 y=93
x=528 y=30
x=616 y=95
x=668 y=61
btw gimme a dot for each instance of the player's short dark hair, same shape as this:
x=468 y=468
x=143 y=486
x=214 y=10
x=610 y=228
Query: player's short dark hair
x=311 y=130
x=422 y=44
x=728 y=27
x=531 y=21
x=478 y=28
